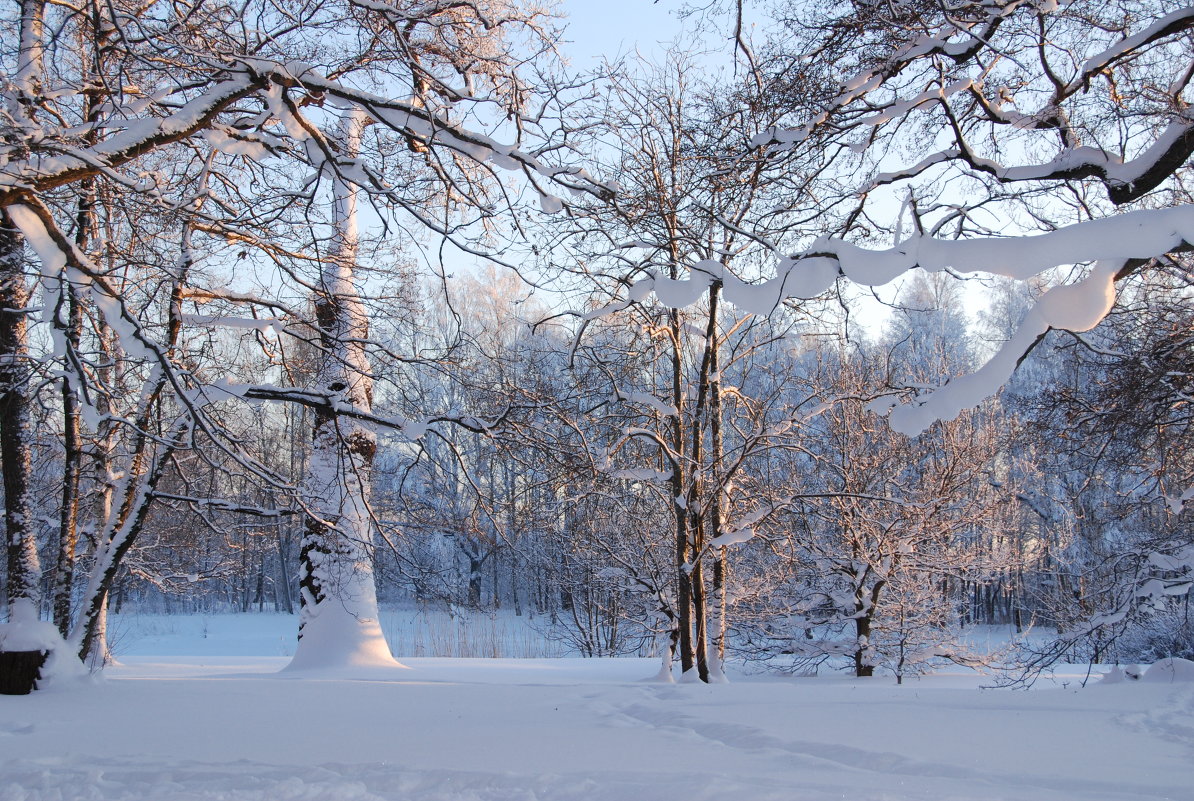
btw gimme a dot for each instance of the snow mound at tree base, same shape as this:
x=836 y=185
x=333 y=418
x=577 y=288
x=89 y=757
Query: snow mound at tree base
x=335 y=642
x=24 y=631
x=1171 y=671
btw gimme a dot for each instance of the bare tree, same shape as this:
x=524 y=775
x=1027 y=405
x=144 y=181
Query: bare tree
x=695 y=211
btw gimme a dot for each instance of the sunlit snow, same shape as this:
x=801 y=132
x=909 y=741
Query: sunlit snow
x=206 y=726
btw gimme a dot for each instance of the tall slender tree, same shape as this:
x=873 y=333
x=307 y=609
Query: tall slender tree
x=339 y=617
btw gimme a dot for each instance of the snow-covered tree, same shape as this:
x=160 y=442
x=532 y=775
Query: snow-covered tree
x=1016 y=138
x=695 y=206
x=1111 y=448
x=224 y=131
x=338 y=595
x=1043 y=142
x=881 y=533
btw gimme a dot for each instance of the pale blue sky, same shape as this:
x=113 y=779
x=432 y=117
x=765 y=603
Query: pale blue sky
x=608 y=28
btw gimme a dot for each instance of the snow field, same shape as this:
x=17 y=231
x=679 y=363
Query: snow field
x=584 y=729
x=410 y=632
x=206 y=726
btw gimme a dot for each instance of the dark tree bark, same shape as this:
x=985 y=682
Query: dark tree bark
x=16 y=456
x=72 y=458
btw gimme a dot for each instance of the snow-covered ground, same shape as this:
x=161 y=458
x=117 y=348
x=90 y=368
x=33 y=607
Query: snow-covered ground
x=410 y=632
x=206 y=726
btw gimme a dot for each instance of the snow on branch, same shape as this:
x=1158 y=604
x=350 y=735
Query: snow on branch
x=41 y=171
x=1125 y=180
x=266 y=325
x=956 y=41
x=1178 y=502
x=64 y=160
x=223 y=505
x=333 y=403
x=1115 y=244
x=1172 y=23
x=647 y=399
x=933 y=61
x=416 y=121
x=59 y=257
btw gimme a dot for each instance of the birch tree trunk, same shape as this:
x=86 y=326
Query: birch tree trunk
x=338 y=619
x=102 y=508
x=71 y=333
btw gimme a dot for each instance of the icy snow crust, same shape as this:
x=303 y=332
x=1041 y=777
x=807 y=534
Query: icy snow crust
x=238 y=729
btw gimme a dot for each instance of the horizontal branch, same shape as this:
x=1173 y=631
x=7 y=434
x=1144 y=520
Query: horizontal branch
x=225 y=506
x=332 y=404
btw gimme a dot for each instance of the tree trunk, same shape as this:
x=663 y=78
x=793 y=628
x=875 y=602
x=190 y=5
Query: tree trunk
x=475 y=566
x=72 y=334
x=16 y=457
x=700 y=611
x=101 y=472
x=679 y=495
x=96 y=655
x=72 y=457
x=717 y=614
x=864 y=616
x=338 y=619
x=862 y=632
x=703 y=487
x=717 y=618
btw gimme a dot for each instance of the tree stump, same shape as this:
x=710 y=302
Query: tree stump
x=19 y=670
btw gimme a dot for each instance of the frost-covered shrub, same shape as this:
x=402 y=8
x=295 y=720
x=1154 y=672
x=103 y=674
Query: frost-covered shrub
x=1159 y=635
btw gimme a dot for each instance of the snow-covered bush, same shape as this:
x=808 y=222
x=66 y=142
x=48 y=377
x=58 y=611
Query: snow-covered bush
x=1158 y=635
